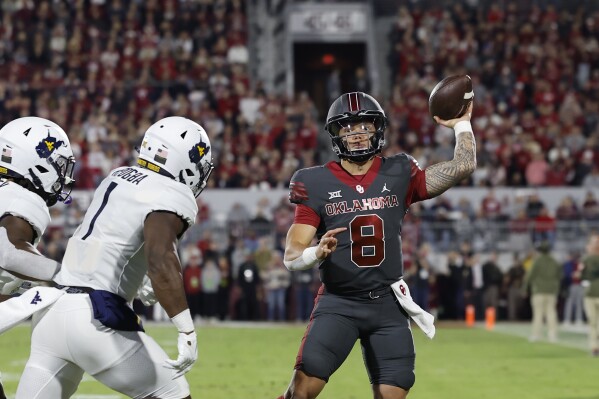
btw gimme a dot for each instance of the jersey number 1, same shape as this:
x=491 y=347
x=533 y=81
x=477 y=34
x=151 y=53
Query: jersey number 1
x=367 y=240
x=111 y=187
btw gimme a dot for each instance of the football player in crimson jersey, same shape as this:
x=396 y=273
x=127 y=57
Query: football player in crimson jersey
x=355 y=208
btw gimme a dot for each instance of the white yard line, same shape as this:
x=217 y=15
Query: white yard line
x=576 y=339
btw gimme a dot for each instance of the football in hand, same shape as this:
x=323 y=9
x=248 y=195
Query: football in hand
x=451 y=97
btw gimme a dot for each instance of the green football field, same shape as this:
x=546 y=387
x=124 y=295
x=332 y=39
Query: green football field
x=255 y=362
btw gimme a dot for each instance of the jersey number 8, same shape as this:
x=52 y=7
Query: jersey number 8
x=367 y=240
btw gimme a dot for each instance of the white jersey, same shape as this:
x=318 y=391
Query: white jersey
x=18 y=201
x=106 y=250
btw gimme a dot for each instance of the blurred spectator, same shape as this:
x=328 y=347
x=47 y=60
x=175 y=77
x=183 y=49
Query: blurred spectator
x=514 y=281
x=224 y=287
x=590 y=207
x=490 y=207
x=543 y=279
x=192 y=280
x=492 y=279
x=475 y=285
x=457 y=274
x=592 y=179
x=567 y=210
x=520 y=231
x=422 y=277
x=282 y=219
x=211 y=279
x=276 y=280
x=263 y=254
x=536 y=170
x=544 y=227
x=590 y=277
x=573 y=307
x=249 y=281
x=442 y=218
x=534 y=206
x=302 y=282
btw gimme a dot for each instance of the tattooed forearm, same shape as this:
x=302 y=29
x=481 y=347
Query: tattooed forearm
x=443 y=175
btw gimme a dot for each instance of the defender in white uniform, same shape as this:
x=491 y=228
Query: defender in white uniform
x=36 y=170
x=137 y=212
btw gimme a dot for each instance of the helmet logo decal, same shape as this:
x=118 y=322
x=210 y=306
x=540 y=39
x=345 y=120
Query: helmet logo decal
x=353 y=101
x=47 y=146
x=198 y=152
x=7 y=154
x=161 y=156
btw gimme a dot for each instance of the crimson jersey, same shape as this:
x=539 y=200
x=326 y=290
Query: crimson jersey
x=371 y=206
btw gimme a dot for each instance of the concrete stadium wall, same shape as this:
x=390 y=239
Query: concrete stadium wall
x=220 y=201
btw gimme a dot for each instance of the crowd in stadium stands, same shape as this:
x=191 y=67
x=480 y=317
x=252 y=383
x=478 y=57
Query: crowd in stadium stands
x=105 y=69
x=535 y=72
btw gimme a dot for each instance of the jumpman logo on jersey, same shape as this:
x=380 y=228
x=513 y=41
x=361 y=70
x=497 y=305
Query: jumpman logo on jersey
x=385 y=188
x=36 y=299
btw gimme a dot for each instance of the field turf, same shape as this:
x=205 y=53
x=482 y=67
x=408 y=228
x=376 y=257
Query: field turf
x=255 y=362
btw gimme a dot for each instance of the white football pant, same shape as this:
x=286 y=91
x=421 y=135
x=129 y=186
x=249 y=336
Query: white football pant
x=67 y=340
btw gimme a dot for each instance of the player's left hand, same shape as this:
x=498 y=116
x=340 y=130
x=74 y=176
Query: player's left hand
x=188 y=354
x=328 y=243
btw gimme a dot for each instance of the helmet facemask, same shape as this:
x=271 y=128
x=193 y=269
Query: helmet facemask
x=64 y=167
x=204 y=169
x=371 y=123
x=60 y=189
x=36 y=152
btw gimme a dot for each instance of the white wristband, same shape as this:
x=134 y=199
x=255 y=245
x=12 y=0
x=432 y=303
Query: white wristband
x=461 y=127
x=306 y=261
x=183 y=321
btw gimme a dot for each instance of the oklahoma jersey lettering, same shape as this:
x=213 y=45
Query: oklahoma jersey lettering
x=372 y=207
x=106 y=250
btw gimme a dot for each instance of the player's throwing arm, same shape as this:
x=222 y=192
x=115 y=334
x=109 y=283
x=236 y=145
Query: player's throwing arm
x=444 y=175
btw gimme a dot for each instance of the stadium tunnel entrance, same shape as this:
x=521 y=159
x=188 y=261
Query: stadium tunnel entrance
x=326 y=70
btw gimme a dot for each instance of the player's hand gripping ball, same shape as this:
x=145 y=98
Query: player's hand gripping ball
x=450 y=97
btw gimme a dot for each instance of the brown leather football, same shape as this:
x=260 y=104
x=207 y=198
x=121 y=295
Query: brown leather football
x=451 y=97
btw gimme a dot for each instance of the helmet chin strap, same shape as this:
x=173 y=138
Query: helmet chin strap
x=359 y=162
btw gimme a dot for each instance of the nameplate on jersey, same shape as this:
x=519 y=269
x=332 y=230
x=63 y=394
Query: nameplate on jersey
x=131 y=175
x=153 y=167
x=148 y=165
x=113 y=311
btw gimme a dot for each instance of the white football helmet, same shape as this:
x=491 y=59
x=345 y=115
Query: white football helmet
x=38 y=150
x=178 y=148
